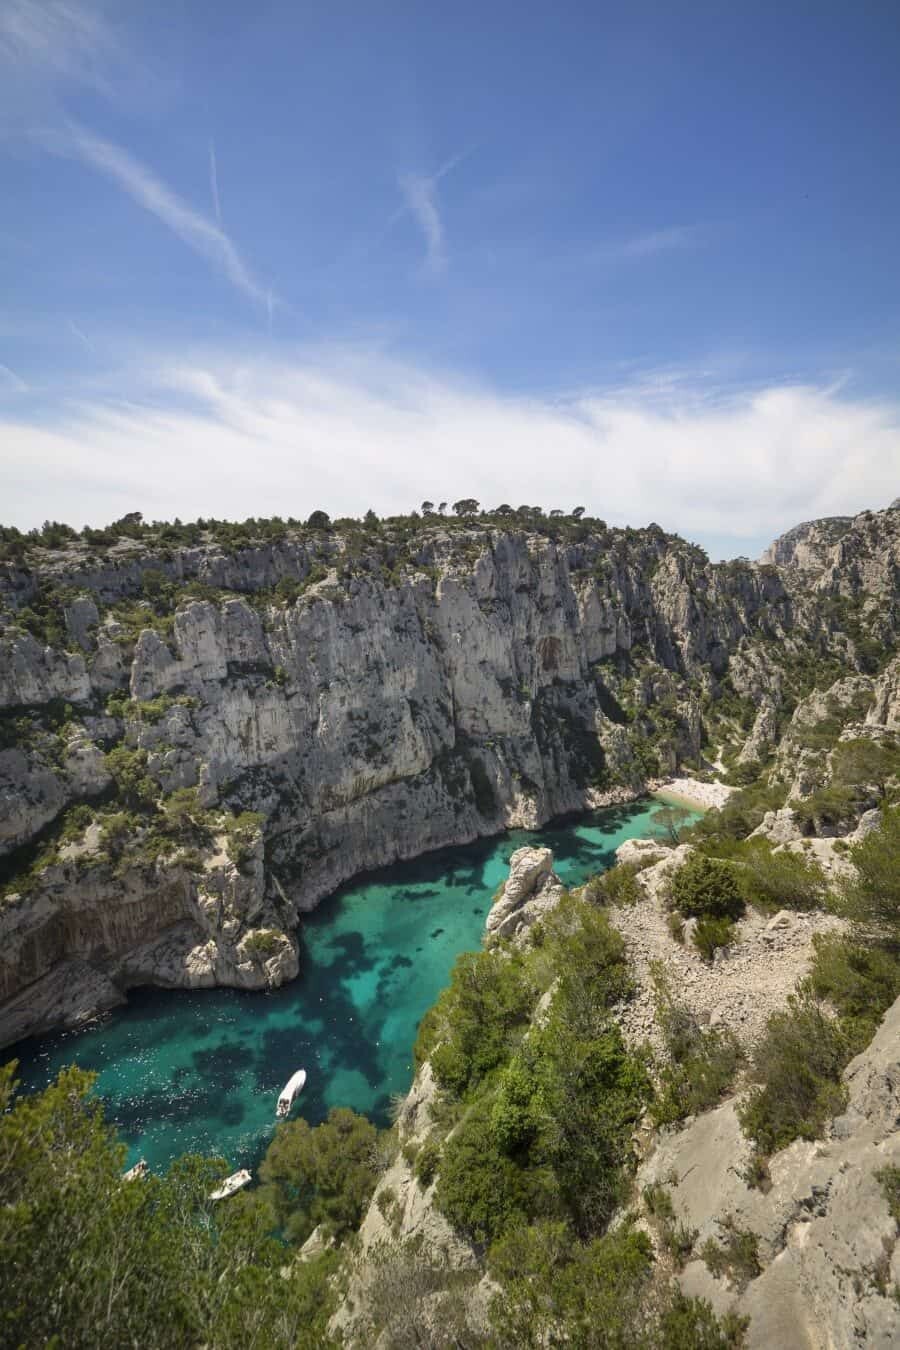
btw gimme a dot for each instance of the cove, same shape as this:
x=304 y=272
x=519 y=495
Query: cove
x=199 y=1071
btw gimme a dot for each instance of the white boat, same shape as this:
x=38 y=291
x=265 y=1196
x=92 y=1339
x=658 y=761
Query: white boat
x=140 y=1169
x=289 y=1093
x=236 y=1182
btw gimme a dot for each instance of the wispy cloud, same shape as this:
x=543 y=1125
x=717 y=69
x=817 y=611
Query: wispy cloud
x=667 y=240
x=62 y=38
x=420 y=199
x=142 y=185
x=12 y=382
x=397 y=433
x=214 y=182
x=81 y=336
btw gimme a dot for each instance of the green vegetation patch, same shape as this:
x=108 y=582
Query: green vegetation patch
x=87 y=1259
x=706 y=888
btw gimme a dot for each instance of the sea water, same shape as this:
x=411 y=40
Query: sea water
x=200 y=1071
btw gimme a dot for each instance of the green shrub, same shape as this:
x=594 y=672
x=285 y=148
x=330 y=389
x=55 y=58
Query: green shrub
x=469 y=1030
x=658 y=1202
x=517 y=1111
x=481 y=1190
x=700 y=1063
x=322 y=1175
x=797 y=1067
x=873 y=900
x=618 y=886
x=711 y=934
x=691 y=1324
x=737 y=1257
x=677 y=1241
x=591 y=1092
x=782 y=880
x=889 y=1180
x=586 y=955
x=832 y=807
x=706 y=888
x=427 y=1161
x=88 y=1261
x=861 y=981
x=262 y=943
x=598 y=1294
x=241 y=836
x=128 y=770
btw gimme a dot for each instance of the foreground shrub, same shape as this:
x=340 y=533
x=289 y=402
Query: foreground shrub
x=555 y=1291
x=783 y=880
x=860 y=982
x=469 y=1030
x=87 y=1260
x=700 y=1064
x=710 y=934
x=706 y=888
x=324 y=1174
x=797 y=1067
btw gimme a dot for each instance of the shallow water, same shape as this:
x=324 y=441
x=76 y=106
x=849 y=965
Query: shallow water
x=200 y=1071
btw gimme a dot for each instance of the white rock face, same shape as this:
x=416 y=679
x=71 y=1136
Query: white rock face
x=87 y=935
x=824 y=1229
x=763 y=735
x=531 y=890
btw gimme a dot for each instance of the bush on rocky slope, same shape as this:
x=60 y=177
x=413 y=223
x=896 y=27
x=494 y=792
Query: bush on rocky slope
x=598 y=1294
x=547 y=1115
x=797 y=1069
x=706 y=888
x=700 y=1062
x=322 y=1175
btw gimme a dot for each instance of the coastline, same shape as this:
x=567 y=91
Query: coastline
x=692 y=792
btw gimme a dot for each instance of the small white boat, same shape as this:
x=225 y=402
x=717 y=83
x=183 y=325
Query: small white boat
x=140 y=1169
x=289 y=1093
x=236 y=1182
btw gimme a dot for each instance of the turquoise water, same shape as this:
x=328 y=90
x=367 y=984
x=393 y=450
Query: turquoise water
x=200 y=1071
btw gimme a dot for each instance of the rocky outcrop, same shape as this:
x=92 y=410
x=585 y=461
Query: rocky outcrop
x=73 y=948
x=531 y=891
x=763 y=736
x=747 y=981
x=809 y=545
x=827 y=1242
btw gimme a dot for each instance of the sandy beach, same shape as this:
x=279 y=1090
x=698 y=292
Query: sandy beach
x=691 y=792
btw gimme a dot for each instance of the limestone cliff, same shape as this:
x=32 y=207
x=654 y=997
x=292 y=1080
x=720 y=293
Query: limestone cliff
x=828 y=1243
x=374 y=693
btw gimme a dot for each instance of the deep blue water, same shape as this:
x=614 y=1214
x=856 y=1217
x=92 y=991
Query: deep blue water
x=200 y=1071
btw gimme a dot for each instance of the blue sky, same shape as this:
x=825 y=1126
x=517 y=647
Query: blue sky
x=260 y=259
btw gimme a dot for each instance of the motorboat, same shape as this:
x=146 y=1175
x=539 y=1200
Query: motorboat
x=140 y=1169
x=289 y=1094
x=236 y=1182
